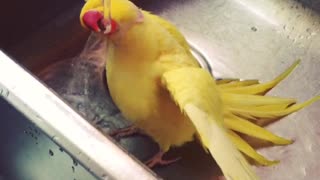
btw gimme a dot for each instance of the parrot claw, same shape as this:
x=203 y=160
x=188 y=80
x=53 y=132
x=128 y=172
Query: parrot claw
x=158 y=160
x=125 y=132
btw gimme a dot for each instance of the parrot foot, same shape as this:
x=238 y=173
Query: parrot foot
x=158 y=160
x=124 y=132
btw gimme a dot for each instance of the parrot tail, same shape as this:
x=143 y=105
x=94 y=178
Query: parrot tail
x=245 y=148
x=245 y=100
x=197 y=95
x=221 y=109
x=270 y=112
x=261 y=88
x=238 y=124
x=238 y=84
x=246 y=109
x=226 y=80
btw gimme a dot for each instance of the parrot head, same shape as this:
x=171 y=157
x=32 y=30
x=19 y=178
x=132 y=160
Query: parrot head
x=123 y=14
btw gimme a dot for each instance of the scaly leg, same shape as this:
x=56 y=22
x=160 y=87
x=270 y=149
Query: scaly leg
x=157 y=159
x=124 y=132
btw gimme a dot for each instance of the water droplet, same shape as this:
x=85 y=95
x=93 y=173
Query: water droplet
x=55 y=138
x=51 y=152
x=308 y=30
x=80 y=107
x=73 y=169
x=294 y=40
x=95 y=118
x=104 y=176
x=75 y=163
x=304 y=171
x=283 y=151
x=61 y=149
x=254 y=29
x=36 y=142
x=284 y=27
x=309 y=147
x=103 y=123
x=4 y=93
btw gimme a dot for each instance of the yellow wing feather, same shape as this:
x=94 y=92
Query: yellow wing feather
x=195 y=92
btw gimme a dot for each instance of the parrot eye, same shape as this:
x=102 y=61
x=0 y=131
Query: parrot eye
x=111 y=26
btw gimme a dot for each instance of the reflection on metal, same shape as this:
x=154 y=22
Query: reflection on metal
x=66 y=127
x=202 y=59
x=257 y=11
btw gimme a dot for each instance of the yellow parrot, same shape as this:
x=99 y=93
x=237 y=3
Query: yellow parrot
x=157 y=84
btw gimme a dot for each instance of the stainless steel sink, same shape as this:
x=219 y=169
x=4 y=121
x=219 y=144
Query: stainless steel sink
x=240 y=39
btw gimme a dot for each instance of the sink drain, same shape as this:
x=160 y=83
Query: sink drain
x=201 y=58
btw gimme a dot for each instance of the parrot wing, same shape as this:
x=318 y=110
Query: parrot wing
x=195 y=92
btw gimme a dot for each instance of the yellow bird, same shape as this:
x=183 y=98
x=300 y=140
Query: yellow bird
x=158 y=85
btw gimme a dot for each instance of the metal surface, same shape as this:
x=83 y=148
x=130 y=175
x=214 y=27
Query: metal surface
x=26 y=153
x=242 y=39
x=99 y=154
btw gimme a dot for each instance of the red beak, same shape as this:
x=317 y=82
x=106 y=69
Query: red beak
x=94 y=20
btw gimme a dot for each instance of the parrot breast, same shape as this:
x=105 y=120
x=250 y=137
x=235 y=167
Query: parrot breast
x=144 y=102
x=133 y=77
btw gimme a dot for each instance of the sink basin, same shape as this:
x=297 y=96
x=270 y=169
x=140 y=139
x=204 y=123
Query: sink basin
x=244 y=39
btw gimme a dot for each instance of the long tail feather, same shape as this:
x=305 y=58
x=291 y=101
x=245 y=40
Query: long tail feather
x=261 y=113
x=240 y=100
x=238 y=84
x=264 y=87
x=226 y=81
x=246 y=127
x=245 y=148
x=272 y=107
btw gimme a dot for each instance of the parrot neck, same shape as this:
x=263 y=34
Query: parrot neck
x=133 y=38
